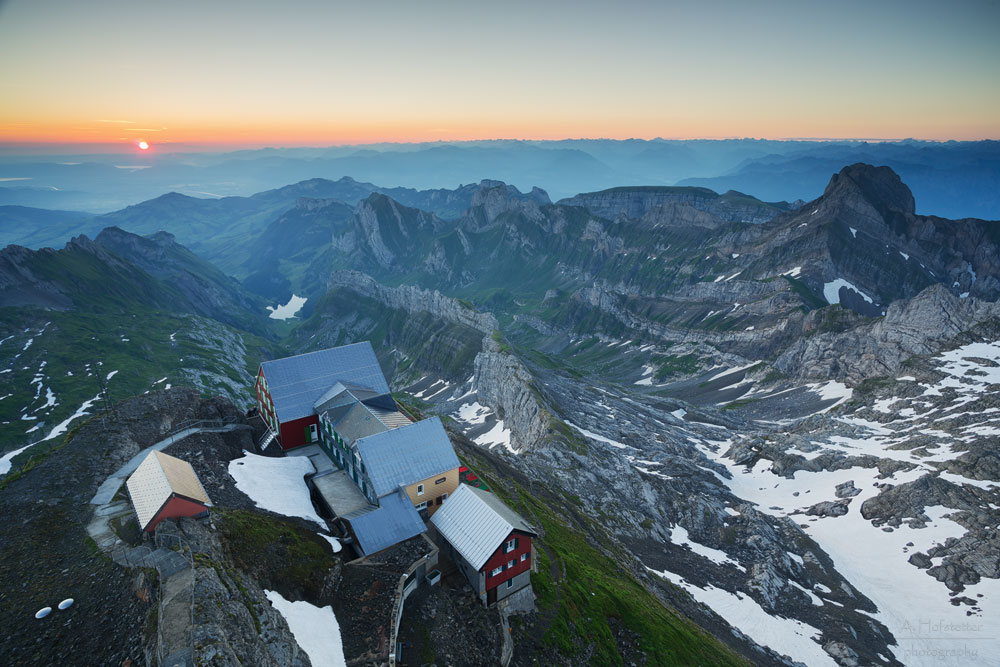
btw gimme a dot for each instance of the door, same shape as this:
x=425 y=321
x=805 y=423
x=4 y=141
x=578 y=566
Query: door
x=491 y=597
x=311 y=433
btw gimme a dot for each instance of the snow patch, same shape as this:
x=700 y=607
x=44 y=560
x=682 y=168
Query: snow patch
x=334 y=542
x=287 y=311
x=831 y=291
x=598 y=437
x=276 y=484
x=315 y=629
x=784 y=635
x=498 y=435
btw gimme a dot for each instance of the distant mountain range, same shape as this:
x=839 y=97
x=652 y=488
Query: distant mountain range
x=953 y=179
x=778 y=417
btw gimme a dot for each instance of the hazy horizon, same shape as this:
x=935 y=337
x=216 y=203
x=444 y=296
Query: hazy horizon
x=244 y=75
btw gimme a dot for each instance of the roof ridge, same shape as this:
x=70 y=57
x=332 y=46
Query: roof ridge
x=306 y=354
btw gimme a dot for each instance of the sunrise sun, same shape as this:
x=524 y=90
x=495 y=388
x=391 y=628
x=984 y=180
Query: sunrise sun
x=143 y=146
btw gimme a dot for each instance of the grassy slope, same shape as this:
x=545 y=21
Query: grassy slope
x=581 y=585
x=81 y=349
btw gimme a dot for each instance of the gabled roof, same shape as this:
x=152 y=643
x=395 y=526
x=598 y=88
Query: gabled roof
x=406 y=455
x=157 y=478
x=358 y=422
x=296 y=382
x=476 y=523
x=342 y=393
x=392 y=522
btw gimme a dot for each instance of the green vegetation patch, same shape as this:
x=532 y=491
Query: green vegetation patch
x=280 y=554
x=595 y=589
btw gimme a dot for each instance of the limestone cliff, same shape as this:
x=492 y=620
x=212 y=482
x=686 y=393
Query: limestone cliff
x=414 y=299
x=505 y=385
x=911 y=327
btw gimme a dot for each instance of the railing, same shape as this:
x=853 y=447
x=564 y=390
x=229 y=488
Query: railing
x=142 y=556
x=202 y=424
x=408 y=582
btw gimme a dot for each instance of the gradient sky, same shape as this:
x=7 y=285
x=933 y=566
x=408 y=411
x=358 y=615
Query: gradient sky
x=249 y=73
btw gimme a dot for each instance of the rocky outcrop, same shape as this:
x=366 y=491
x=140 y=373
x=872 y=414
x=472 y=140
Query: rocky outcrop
x=414 y=300
x=911 y=327
x=372 y=234
x=234 y=622
x=494 y=198
x=636 y=202
x=506 y=386
x=208 y=291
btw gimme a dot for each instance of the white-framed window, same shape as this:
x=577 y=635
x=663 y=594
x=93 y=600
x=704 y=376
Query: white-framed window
x=510 y=583
x=510 y=546
x=496 y=571
x=511 y=563
x=524 y=556
x=420 y=489
x=422 y=506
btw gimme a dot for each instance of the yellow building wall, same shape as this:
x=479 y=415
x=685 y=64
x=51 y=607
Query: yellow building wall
x=432 y=491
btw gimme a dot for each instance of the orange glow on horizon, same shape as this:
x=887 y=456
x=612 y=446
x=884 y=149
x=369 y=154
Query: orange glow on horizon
x=187 y=131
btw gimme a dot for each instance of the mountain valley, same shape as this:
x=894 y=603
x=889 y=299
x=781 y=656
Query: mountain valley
x=771 y=426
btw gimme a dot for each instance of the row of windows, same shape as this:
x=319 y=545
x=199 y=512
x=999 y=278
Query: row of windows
x=509 y=565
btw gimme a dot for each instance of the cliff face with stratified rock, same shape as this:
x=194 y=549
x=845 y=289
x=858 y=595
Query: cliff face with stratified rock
x=504 y=385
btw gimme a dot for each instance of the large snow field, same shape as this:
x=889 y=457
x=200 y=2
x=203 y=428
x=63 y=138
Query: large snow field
x=276 y=484
x=874 y=561
x=785 y=635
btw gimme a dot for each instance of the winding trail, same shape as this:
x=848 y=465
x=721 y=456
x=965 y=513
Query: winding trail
x=107 y=490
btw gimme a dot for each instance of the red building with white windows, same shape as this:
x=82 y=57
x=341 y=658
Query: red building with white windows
x=488 y=541
x=288 y=389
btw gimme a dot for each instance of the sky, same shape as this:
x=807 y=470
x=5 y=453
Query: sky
x=248 y=73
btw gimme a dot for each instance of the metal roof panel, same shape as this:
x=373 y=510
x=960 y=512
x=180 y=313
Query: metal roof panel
x=295 y=383
x=472 y=521
x=406 y=455
x=393 y=521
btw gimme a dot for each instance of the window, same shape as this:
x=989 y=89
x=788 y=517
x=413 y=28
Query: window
x=439 y=500
x=510 y=583
x=524 y=556
x=496 y=571
x=422 y=506
x=511 y=563
x=420 y=489
x=510 y=546
x=441 y=481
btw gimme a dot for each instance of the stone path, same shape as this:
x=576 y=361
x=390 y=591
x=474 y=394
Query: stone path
x=106 y=491
x=175 y=571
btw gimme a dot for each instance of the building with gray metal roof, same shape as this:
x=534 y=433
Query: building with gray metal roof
x=392 y=521
x=408 y=454
x=295 y=383
x=490 y=542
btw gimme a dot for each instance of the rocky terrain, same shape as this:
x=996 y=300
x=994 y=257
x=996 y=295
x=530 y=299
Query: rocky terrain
x=779 y=420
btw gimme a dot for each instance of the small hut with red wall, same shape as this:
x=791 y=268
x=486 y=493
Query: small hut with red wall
x=165 y=487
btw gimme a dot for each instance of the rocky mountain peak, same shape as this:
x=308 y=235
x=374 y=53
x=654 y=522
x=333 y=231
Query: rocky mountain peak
x=879 y=186
x=496 y=197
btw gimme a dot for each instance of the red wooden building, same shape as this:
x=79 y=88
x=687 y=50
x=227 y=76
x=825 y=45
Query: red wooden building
x=165 y=487
x=288 y=389
x=488 y=541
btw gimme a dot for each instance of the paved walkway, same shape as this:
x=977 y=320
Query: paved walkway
x=174 y=619
x=106 y=491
